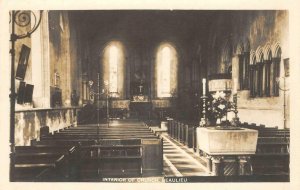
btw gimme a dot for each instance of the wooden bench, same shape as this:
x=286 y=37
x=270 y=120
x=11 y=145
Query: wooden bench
x=129 y=151
x=274 y=133
x=121 y=158
x=273 y=145
x=39 y=163
x=272 y=152
x=95 y=136
x=111 y=158
x=270 y=163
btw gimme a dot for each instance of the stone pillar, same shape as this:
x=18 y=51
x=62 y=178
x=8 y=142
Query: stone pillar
x=217 y=166
x=235 y=70
x=45 y=42
x=243 y=160
x=37 y=65
x=66 y=71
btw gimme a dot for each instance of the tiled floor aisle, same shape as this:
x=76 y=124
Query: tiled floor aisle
x=180 y=161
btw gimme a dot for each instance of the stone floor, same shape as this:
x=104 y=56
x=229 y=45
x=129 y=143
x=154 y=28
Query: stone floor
x=181 y=161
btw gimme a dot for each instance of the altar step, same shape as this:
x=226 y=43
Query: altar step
x=180 y=161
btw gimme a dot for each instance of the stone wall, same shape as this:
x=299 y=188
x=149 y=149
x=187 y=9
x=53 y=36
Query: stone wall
x=65 y=59
x=55 y=48
x=235 y=31
x=141 y=40
x=29 y=122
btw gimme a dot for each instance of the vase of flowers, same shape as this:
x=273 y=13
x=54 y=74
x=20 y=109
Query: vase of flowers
x=219 y=107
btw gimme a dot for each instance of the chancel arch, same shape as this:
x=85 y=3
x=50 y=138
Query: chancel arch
x=243 y=52
x=113 y=65
x=226 y=56
x=247 y=45
x=166 y=71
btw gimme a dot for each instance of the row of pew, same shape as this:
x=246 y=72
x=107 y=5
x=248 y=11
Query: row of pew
x=272 y=152
x=89 y=153
x=183 y=132
x=44 y=162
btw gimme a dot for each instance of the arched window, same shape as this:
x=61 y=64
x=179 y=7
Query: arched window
x=166 y=71
x=113 y=68
x=265 y=71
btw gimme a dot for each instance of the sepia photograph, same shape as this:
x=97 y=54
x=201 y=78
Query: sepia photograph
x=104 y=95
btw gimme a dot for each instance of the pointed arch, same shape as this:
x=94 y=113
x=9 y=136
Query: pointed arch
x=247 y=45
x=226 y=52
x=267 y=52
x=276 y=50
x=252 y=57
x=259 y=54
x=239 y=48
x=244 y=64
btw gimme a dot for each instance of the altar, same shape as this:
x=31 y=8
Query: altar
x=140 y=106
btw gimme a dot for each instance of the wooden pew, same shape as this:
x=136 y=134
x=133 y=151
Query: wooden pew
x=117 y=157
x=111 y=158
x=263 y=164
x=272 y=152
x=81 y=137
x=50 y=163
x=273 y=143
x=121 y=158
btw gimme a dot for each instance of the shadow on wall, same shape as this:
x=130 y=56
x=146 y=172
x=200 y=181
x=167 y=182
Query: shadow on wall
x=28 y=123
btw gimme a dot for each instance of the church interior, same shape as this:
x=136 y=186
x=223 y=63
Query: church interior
x=104 y=94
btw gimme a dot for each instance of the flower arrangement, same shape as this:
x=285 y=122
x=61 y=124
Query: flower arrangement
x=219 y=106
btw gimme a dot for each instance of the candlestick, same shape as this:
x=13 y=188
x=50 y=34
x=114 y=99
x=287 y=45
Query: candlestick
x=235 y=120
x=203 y=122
x=203 y=119
x=204 y=86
